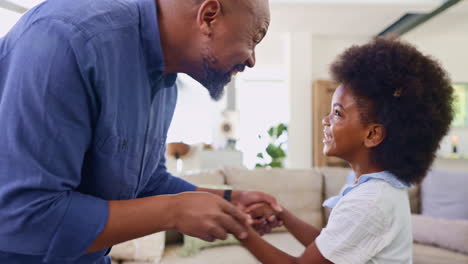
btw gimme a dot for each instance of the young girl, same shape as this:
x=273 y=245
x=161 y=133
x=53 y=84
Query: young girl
x=387 y=117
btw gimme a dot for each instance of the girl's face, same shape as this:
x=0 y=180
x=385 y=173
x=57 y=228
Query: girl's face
x=344 y=135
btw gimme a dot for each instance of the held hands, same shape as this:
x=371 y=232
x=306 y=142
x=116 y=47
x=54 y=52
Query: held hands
x=264 y=218
x=262 y=208
x=208 y=216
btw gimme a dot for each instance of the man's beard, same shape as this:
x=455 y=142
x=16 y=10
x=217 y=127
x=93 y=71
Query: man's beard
x=214 y=80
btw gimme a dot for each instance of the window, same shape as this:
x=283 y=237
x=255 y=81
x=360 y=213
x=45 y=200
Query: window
x=263 y=101
x=196 y=115
x=461 y=105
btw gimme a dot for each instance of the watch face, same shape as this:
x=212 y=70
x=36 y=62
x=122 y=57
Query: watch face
x=227 y=195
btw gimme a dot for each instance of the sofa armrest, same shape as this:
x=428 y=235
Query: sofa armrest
x=444 y=233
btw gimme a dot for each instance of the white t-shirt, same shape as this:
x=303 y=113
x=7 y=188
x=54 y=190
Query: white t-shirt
x=370 y=224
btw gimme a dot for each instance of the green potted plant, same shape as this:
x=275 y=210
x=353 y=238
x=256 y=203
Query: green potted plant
x=275 y=153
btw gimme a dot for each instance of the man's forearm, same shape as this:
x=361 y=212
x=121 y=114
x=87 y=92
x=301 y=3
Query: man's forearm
x=196 y=214
x=301 y=230
x=131 y=219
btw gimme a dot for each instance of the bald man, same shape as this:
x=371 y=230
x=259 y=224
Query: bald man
x=86 y=98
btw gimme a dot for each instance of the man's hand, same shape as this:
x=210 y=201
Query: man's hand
x=208 y=217
x=266 y=209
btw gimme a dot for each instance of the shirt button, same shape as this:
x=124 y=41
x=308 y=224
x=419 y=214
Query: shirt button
x=123 y=145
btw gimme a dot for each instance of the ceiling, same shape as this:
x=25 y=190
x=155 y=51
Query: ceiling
x=329 y=17
x=454 y=21
x=23 y=3
x=353 y=17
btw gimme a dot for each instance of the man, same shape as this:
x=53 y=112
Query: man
x=86 y=98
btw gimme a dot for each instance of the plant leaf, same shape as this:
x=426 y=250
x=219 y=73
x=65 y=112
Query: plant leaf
x=275 y=151
x=281 y=129
x=276 y=164
x=271 y=131
x=271 y=150
x=281 y=153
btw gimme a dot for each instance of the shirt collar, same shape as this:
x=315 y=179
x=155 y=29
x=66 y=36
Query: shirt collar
x=151 y=42
x=383 y=175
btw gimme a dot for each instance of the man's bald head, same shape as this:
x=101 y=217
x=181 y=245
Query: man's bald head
x=220 y=36
x=258 y=8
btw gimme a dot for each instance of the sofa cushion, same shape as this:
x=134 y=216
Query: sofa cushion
x=193 y=246
x=300 y=191
x=285 y=242
x=147 y=249
x=444 y=195
x=444 y=233
x=415 y=198
x=424 y=254
x=333 y=180
x=213 y=176
x=234 y=254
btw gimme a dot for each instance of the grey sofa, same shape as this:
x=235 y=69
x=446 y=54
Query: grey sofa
x=301 y=191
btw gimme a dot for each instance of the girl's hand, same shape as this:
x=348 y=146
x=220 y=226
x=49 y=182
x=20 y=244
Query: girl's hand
x=264 y=217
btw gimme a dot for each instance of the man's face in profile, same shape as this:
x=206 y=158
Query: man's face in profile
x=232 y=46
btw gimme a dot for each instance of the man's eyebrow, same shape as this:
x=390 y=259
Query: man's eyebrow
x=264 y=28
x=263 y=31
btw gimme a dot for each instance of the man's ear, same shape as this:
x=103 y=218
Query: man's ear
x=209 y=11
x=375 y=135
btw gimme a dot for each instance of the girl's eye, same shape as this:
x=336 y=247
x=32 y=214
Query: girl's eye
x=337 y=113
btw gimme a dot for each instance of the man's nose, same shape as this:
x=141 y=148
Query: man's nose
x=251 y=60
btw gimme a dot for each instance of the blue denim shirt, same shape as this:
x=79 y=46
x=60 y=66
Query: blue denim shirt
x=382 y=176
x=84 y=113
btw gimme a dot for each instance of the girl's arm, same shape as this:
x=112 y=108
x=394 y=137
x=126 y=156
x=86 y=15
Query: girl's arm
x=268 y=254
x=301 y=230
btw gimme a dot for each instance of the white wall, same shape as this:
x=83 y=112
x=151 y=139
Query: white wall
x=304 y=40
x=315 y=34
x=262 y=96
x=7 y=20
x=306 y=57
x=446 y=39
x=309 y=59
x=309 y=55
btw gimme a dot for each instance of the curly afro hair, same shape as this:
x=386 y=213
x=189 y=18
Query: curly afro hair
x=408 y=93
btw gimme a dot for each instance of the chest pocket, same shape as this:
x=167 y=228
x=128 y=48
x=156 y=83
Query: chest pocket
x=153 y=160
x=112 y=168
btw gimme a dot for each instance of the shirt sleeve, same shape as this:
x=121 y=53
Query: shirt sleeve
x=45 y=131
x=354 y=233
x=163 y=182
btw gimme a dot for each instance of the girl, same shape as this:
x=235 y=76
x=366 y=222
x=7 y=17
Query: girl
x=387 y=117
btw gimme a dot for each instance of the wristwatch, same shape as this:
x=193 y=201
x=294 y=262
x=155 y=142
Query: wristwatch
x=227 y=195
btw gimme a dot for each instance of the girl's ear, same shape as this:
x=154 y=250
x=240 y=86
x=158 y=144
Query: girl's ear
x=375 y=135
